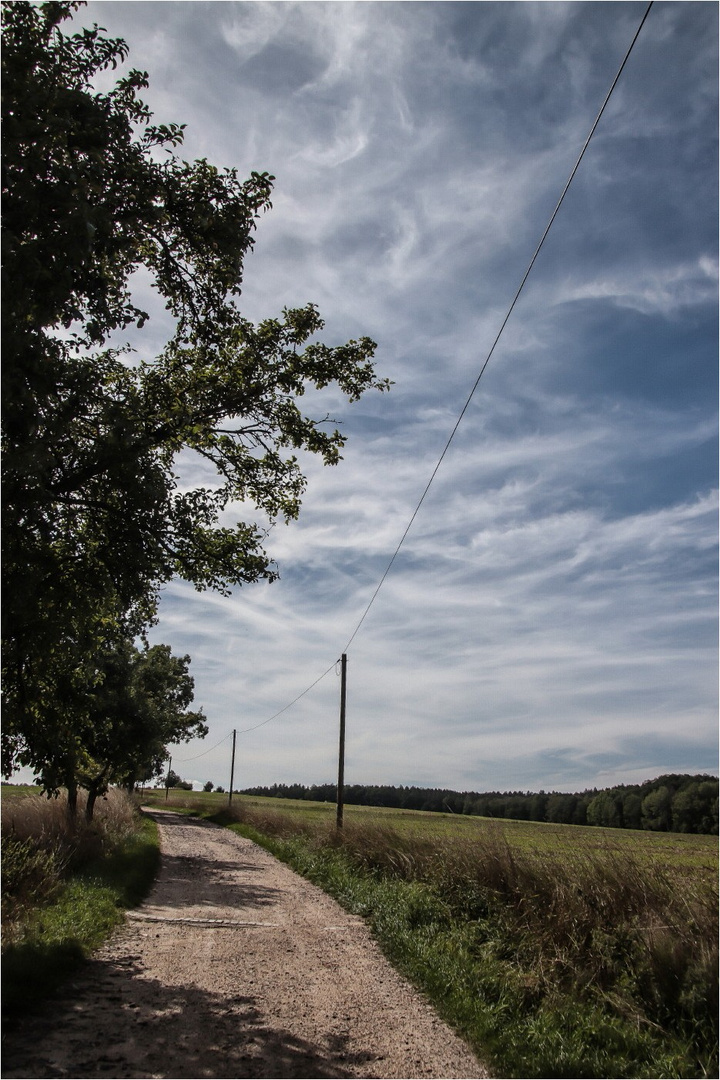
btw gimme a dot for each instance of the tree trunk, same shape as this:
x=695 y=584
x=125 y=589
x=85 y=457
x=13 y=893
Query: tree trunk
x=96 y=787
x=72 y=794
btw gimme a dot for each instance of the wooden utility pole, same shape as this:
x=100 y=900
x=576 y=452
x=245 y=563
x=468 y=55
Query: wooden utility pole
x=167 y=780
x=232 y=770
x=341 y=758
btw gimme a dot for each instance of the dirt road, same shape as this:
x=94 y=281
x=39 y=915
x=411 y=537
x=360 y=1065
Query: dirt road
x=236 y=967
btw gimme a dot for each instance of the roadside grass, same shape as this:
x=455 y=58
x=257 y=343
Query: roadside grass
x=65 y=888
x=555 y=950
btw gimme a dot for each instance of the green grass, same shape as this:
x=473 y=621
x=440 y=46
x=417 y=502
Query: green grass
x=49 y=941
x=557 y=951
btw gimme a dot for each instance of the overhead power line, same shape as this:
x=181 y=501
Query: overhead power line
x=504 y=323
x=184 y=761
x=241 y=731
x=290 y=704
x=475 y=385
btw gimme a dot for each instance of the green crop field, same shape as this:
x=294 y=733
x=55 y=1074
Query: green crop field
x=16 y=791
x=677 y=849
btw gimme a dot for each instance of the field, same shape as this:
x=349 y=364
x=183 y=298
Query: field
x=557 y=950
x=678 y=849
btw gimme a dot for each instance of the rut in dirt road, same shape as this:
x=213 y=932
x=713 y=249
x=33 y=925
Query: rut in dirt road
x=236 y=967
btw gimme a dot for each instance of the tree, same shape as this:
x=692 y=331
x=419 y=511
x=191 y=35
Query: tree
x=561 y=808
x=172 y=779
x=208 y=786
x=632 y=811
x=140 y=706
x=537 y=806
x=95 y=518
x=657 y=809
x=605 y=810
x=694 y=808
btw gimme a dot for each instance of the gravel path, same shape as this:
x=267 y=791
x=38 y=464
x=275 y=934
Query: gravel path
x=236 y=967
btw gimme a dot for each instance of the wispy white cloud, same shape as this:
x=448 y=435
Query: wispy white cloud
x=550 y=620
x=663 y=290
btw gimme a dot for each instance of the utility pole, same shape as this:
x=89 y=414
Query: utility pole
x=167 y=780
x=341 y=758
x=232 y=770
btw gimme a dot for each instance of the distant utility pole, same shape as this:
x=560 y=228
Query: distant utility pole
x=232 y=770
x=167 y=780
x=341 y=758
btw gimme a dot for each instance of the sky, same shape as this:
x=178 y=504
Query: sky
x=550 y=622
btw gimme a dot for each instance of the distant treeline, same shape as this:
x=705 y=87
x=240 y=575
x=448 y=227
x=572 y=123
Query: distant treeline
x=673 y=803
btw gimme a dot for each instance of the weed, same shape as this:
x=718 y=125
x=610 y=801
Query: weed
x=30 y=876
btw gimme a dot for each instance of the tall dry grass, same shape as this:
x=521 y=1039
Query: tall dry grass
x=611 y=925
x=42 y=844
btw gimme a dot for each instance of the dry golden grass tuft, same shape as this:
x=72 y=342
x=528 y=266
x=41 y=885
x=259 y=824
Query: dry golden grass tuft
x=42 y=844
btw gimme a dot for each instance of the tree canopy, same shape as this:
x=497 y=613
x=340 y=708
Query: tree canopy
x=96 y=516
x=140 y=705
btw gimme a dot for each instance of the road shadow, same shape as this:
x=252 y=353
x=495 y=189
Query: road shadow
x=198 y=881
x=115 y=1023
x=186 y=881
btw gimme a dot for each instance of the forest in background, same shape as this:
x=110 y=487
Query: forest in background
x=671 y=803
